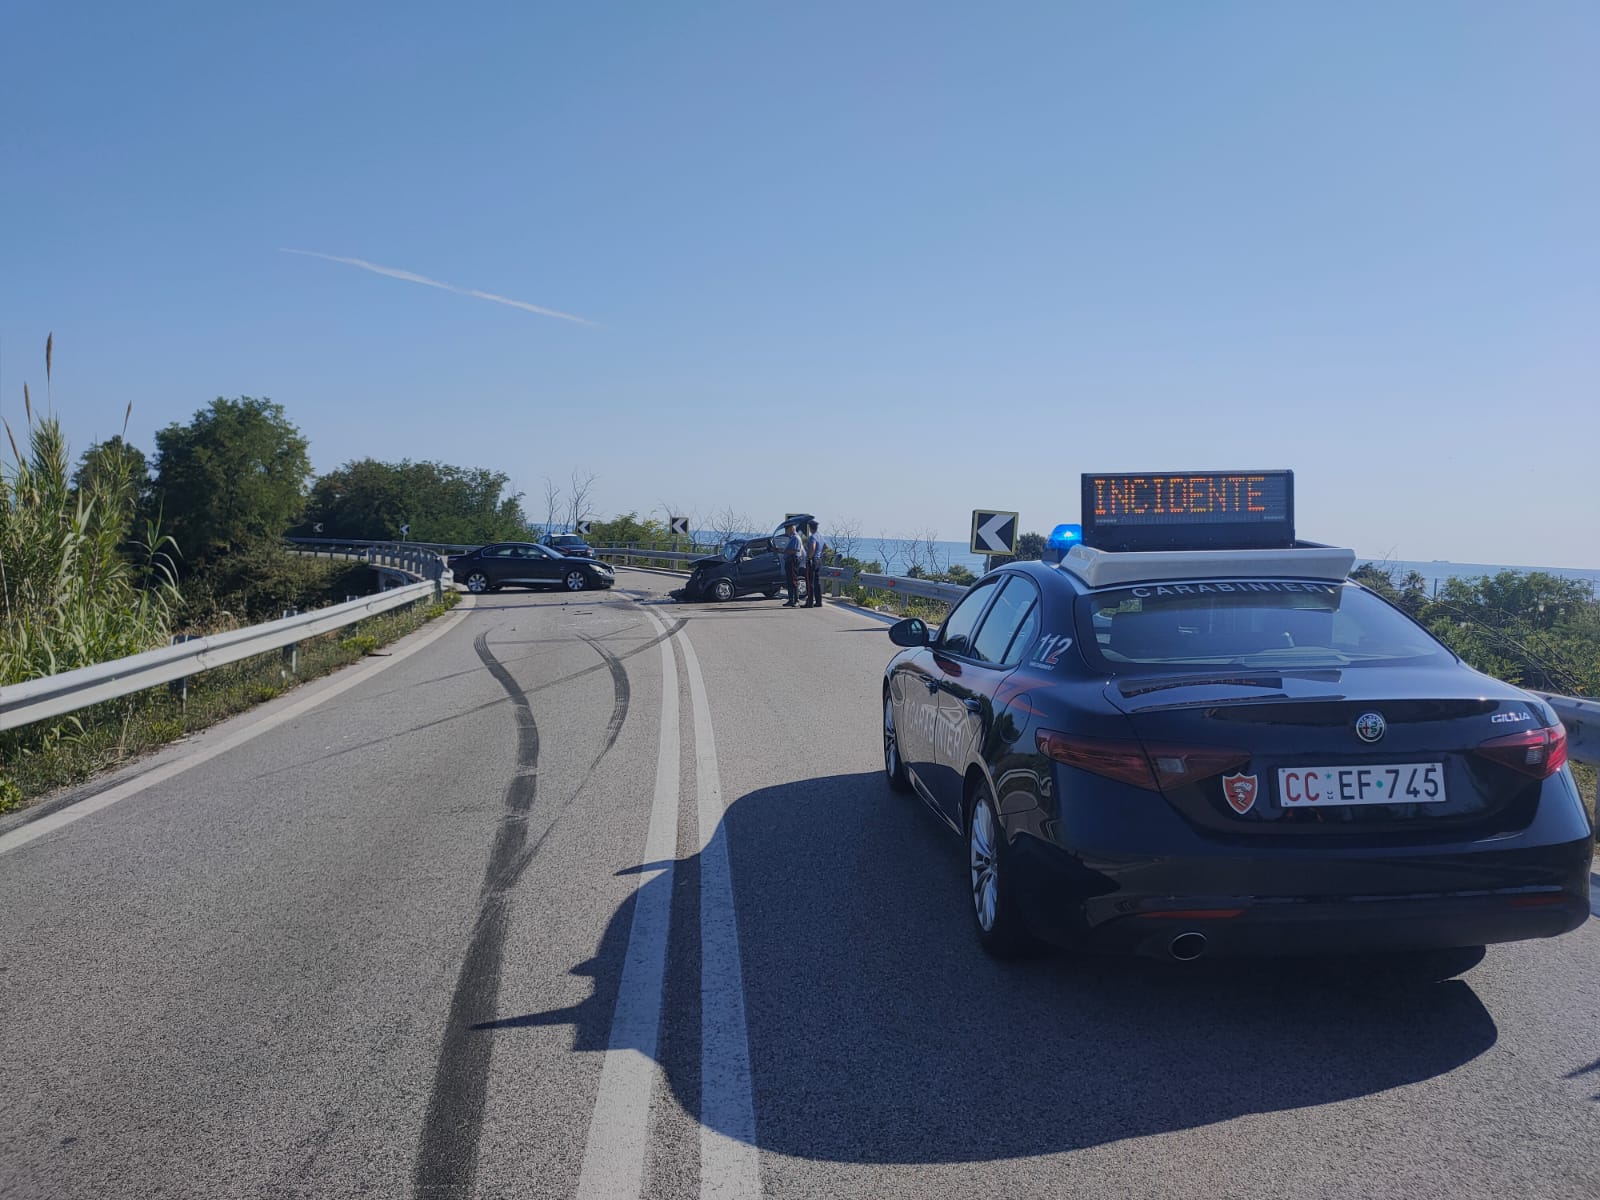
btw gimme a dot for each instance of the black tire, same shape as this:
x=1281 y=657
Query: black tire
x=575 y=580
x=720 y=590
x=478 y=583
x=894 y=770
x=995 y=915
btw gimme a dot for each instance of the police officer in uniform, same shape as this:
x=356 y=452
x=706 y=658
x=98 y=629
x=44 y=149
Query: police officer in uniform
x=792 y=563
x=815 y=549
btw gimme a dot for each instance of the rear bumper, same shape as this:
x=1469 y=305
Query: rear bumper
x=1305 y=902
x=1349 y=926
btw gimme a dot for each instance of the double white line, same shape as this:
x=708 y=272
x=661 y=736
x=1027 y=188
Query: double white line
x=619 y=1131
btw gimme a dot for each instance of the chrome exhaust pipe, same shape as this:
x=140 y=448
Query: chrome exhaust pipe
x=1187 y=947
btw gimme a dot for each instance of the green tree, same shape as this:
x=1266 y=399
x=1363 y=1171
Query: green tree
x=116 y=473
x=628 y=529
x=441 y=503
x=1030 y=547
x=234 y=475
x=1530 y=628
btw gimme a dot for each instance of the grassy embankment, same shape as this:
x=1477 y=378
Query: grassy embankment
x=35 y=762
x=86 y=577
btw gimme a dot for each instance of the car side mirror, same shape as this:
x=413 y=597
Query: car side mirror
x=913 y=631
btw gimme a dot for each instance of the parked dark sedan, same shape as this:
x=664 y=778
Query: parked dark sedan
x=523 y=564
x=569 y=544
x=1180 y=753
x=744 y=566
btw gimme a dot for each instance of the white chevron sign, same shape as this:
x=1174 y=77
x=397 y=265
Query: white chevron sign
x=994 y=532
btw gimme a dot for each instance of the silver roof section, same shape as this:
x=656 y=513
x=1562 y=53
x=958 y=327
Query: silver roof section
x=1105 y=568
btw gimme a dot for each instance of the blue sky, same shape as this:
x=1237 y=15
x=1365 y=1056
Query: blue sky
x=887 y=262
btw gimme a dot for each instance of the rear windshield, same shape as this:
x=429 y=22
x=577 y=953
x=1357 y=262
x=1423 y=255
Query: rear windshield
x=1253 y=623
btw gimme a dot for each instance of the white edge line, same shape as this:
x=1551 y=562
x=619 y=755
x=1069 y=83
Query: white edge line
x=356 y=674
x=730 y=1165
x=619 y=1129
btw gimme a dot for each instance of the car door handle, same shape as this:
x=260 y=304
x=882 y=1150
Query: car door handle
x=974 y=705
x=932 y=685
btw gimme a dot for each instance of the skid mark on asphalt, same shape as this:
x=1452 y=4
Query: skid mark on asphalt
x=447 y=1159
x=620 y=689
x=487 y=705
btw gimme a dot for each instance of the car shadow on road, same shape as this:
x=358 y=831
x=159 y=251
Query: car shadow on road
x=880 y=1033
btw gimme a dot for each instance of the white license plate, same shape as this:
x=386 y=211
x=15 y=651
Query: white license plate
x=1390 y=783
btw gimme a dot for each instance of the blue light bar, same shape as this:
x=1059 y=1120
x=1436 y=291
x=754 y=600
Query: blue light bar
x=1062 y=538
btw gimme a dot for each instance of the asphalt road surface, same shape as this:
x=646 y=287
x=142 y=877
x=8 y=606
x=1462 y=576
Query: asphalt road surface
x=605 y=896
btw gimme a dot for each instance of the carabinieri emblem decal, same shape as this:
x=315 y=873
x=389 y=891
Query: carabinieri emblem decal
x=1240 y=791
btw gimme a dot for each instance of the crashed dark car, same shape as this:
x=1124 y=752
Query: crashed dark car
x=744 y=566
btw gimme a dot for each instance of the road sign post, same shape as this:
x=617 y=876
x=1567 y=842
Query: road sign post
x=994 y=533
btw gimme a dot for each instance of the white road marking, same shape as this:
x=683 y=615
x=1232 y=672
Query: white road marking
x=730 y=1167
x=619 y=1130
x=353 y=675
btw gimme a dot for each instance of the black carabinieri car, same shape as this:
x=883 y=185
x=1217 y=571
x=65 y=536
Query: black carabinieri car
x=1172 y=752
x=523 y=564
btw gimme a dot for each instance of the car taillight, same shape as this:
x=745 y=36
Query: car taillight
x=1537 y=752
x=1155 y=767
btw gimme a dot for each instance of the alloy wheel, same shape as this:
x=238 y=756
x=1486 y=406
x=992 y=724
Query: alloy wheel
x=985 y=866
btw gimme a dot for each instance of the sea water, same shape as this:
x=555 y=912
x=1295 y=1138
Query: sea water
x=1434 y=573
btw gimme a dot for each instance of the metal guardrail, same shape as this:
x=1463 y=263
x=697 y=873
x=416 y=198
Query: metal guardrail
x=55 y=695
x=900 y=585
x=629 y=553
x=424 y=574
x=408 y=560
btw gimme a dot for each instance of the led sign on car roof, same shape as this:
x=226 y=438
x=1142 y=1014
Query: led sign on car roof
x=1193 y=510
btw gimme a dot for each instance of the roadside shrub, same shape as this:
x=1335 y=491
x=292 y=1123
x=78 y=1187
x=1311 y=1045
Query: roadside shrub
x=257 y=582
x=74 y=589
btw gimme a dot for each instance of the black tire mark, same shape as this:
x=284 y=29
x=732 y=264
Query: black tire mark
x=640 y=649
x=478 y=708
x=621 y=689
x=447 y=1159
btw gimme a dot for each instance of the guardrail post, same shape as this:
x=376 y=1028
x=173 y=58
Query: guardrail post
x=291 y=652
x=179 y=688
